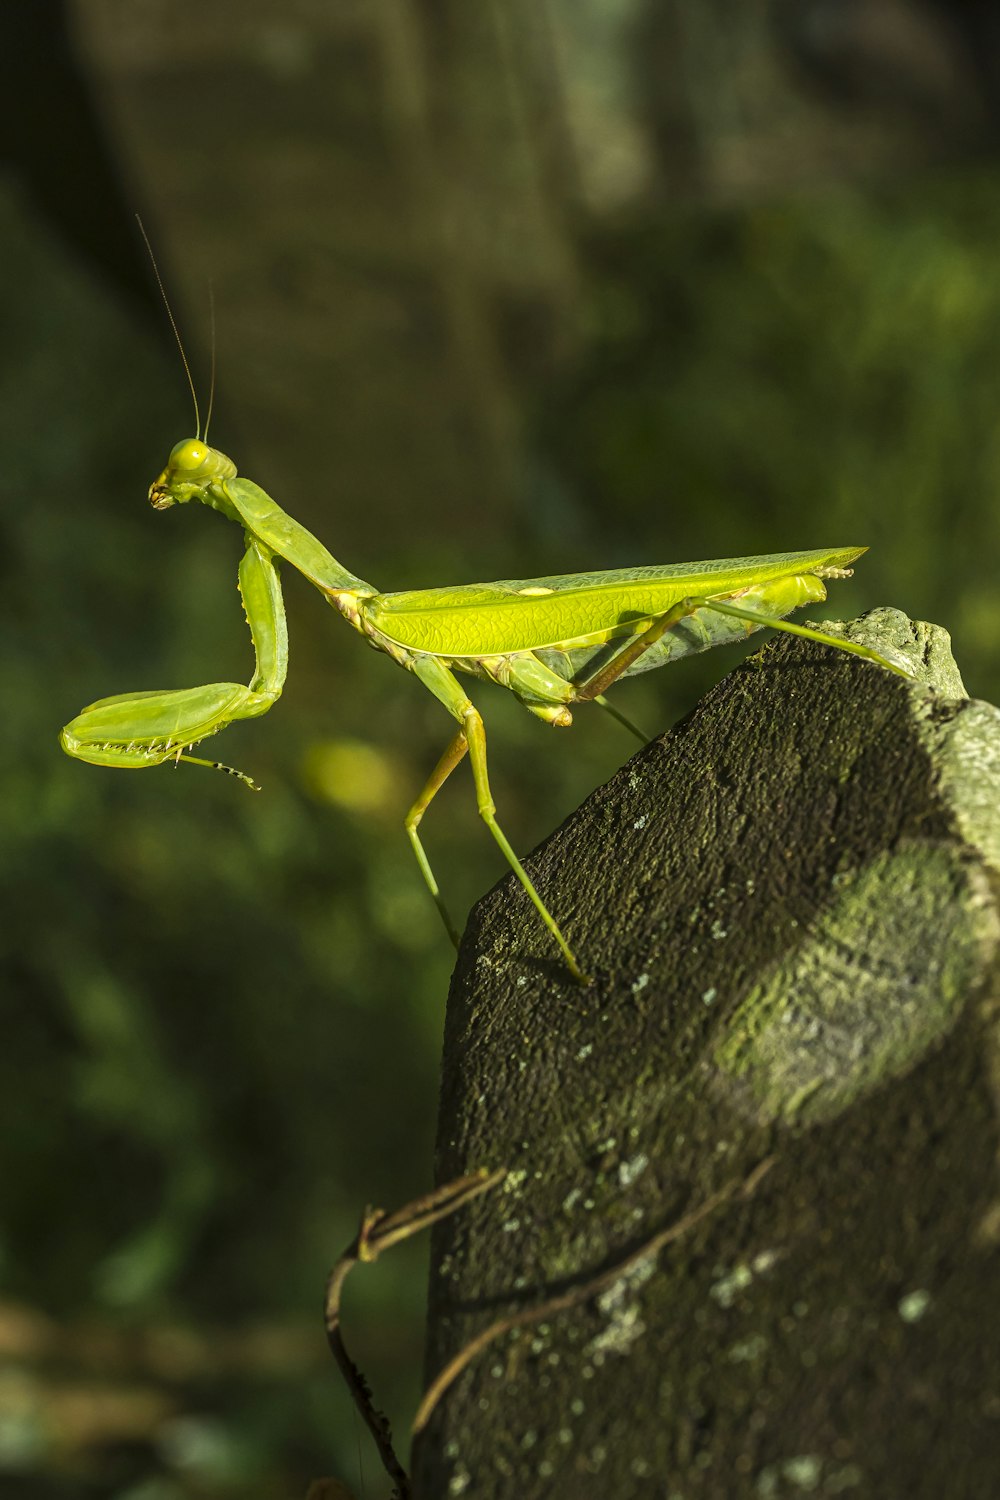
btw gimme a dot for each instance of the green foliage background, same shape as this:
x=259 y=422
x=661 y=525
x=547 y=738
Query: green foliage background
x=222 y=1013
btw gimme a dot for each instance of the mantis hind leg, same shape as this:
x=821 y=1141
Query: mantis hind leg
x=594 y=687
x=616 y=713
x=545 y=693
x=839 y=642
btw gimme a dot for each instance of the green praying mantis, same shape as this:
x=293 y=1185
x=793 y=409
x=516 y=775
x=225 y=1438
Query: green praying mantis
x=552 y=642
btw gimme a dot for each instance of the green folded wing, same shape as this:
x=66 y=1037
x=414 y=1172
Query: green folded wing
x=564 y=613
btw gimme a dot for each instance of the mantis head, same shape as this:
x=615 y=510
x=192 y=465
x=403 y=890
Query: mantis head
x=192 y=470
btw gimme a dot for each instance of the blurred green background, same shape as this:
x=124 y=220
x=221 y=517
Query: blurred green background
x=501 y=289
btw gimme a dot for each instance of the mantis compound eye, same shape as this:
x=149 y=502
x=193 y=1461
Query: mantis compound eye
x=188 y=456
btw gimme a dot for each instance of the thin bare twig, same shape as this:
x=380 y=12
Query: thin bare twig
x=744 y=1186
x=379 y=1231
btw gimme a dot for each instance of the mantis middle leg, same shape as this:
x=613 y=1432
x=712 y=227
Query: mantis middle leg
x=470 y=739
x=453 y=755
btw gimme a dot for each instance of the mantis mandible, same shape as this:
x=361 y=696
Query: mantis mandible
x=552 y=642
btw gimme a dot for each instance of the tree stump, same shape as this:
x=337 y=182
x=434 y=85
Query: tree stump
x=790 y=905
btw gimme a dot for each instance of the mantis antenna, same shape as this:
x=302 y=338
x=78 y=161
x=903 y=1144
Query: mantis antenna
x=211 y=381
x=177 y=336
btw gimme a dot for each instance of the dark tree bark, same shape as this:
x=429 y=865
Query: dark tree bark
x=789 y=904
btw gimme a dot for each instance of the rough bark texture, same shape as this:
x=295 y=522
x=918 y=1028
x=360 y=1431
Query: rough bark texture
x=790 y=907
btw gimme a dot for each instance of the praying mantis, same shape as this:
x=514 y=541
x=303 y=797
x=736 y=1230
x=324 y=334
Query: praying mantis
x=552 y=642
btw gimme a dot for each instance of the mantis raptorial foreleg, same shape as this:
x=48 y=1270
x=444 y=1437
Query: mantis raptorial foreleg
x=472 y=738
x=135 y=730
